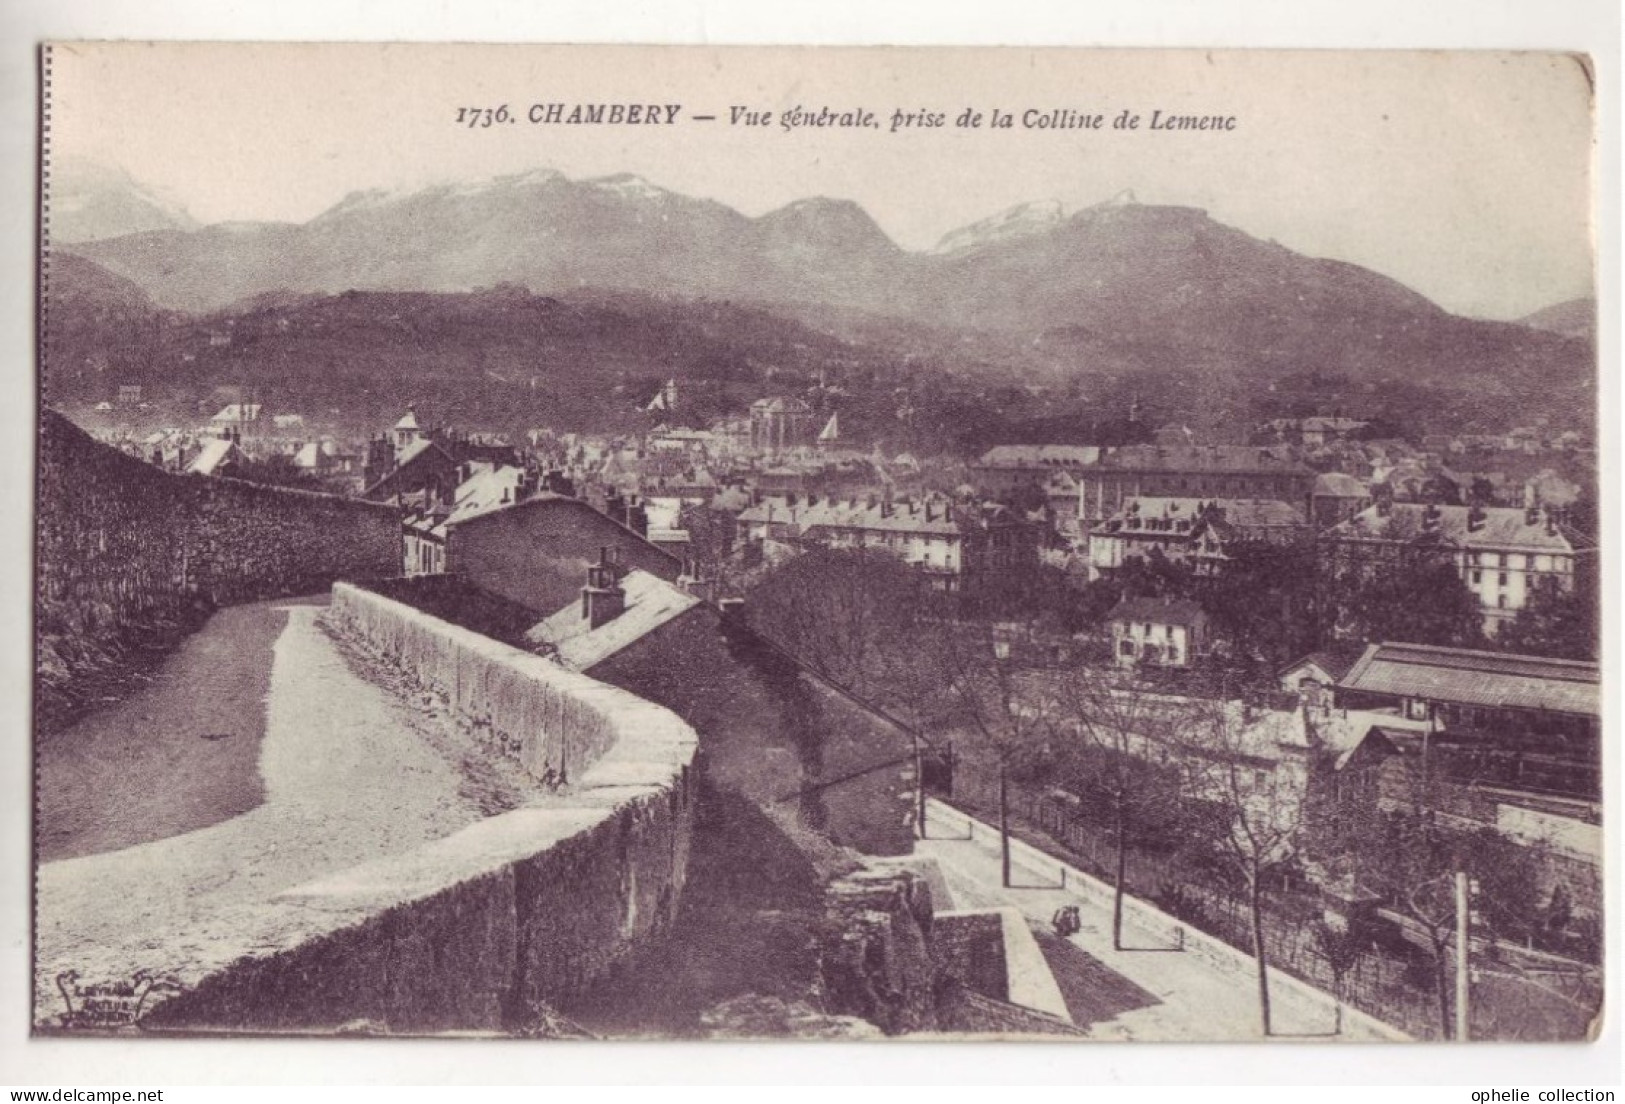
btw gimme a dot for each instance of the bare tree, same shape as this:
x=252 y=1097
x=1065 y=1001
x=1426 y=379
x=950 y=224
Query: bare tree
x=1008 y=720
x=862 y=621
x=1132 y=729
x=1259 y=802
x=1408 y=849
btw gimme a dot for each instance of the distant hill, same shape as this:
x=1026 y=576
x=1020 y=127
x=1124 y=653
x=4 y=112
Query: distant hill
x=78 y=285
x=1117 y=288
x=1574 y=318
x=499 y=357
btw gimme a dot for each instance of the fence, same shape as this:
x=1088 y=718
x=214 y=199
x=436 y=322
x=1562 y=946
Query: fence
x=1394 y=983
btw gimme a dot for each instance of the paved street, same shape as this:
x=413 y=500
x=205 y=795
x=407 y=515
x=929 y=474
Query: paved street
x=1149 y=993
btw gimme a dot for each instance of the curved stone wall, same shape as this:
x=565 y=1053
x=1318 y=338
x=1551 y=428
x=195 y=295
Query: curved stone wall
x=493 y=926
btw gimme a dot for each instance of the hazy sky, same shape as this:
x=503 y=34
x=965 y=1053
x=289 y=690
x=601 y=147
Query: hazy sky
x=1463 y=175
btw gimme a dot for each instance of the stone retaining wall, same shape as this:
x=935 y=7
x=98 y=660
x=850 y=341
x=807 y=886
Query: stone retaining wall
x=126 y=553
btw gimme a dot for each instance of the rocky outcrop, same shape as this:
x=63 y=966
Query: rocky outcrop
x=876 y=951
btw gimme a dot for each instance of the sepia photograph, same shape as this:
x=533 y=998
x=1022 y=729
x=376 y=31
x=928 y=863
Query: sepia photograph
x=734 y=543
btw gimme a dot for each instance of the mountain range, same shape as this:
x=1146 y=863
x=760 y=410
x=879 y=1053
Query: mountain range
x=90 y=200
x=1171 y=284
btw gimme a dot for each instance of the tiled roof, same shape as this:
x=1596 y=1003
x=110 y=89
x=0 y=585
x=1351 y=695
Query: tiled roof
x=1491 y=679
x=1200 y=458
x=1039 y=456
x=900 y=517
x=1501 y=527
x=1158 y=611
x=1238 y=513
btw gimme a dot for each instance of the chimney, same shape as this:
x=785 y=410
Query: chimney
x=1430 y=518
x=602 y=599
x=1551 y=522
x=1475 y=518
x=1531 y=515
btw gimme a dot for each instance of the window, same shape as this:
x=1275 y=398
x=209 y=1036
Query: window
x=1503 y=578
x=1478 y=577
x=1500 y=601
x=1126 y=647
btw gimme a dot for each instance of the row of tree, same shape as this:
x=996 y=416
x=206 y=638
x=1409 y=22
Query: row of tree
x=1202 y=776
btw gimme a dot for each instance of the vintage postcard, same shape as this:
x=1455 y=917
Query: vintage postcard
x=821 y=543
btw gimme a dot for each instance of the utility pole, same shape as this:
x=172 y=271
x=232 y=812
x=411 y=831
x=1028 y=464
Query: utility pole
x=1004 y=822
x=919 y=783
x=1463 y=971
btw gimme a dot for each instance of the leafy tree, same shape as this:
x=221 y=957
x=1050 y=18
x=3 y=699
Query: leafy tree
x=1556 y=621
x=1154 y=575
x=1416 y=595
x=1264 y=602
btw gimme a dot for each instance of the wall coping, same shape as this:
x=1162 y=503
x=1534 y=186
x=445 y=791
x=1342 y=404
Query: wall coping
x=652 y=749
x=652 y=744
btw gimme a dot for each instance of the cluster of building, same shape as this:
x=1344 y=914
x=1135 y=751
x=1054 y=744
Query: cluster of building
x=580 y=546
x=1194 y=504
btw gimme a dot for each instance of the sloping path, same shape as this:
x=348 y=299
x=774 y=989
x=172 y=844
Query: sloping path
x=352 y=771
x=179 y=754
x=1152 y=994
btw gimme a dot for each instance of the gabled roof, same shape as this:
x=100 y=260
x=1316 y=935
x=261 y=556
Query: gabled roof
x=780 y=405
x=485 y=490
x=650 y=603
x=1335 y=666
x=1496 y=680
x=238 y=412
x=214 y=455
x=409 y=420
x=421 y=451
